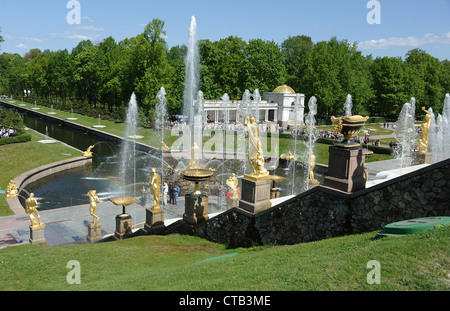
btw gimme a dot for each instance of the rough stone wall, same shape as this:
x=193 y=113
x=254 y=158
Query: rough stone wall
x=323 y=212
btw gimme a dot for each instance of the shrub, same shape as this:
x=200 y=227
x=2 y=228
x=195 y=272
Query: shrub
x=16 y=139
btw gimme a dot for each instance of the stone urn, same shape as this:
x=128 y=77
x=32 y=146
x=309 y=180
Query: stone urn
x=349 y=127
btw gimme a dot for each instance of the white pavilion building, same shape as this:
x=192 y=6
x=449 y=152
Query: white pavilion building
x=276 y=107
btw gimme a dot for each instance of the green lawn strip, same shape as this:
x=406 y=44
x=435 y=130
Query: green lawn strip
x=23 y=157
x=413 y=262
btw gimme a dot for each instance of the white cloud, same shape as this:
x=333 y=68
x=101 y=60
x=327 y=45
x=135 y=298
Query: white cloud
x=22 y=46
x=87 y=18
x=90 y=28
x=80 y=37
x=410 y=41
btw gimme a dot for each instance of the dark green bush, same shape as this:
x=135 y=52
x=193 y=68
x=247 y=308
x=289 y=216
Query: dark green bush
x=16 y=139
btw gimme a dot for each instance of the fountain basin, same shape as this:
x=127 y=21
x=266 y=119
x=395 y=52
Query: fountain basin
x=197 y=175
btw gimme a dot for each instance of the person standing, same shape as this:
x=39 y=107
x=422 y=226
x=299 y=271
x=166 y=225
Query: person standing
x=165 y=192
x=176 y=192
x=220 y=196
x=171 y=193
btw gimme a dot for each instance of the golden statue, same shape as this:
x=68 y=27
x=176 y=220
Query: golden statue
x=156 y=188
x=288 y=156
x=425 y=127
x=255 y=152
x=93 y=200
x=312 y=164
x=30 y=207
x=11 y=189
x=233 y=183
x=88 y=152
x=164 y=147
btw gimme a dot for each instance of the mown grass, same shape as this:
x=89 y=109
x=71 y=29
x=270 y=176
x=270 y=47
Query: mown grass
x=414 y=262
x=22 y=157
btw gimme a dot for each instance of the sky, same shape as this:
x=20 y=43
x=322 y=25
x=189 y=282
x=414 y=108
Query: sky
x=392 y=30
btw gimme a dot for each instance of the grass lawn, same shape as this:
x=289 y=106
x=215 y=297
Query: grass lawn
x=22 y=157
x=413 y=262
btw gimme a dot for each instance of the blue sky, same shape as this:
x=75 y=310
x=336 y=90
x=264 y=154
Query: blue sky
x=404 y=24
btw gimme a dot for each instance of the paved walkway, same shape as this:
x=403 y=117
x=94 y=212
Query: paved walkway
x=68 y=225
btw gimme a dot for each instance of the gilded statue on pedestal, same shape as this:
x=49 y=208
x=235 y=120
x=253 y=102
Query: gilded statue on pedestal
x=156 y=188
x=93 y=200
x=233 y=183
x=312 y=164
x=31 y=208
x=425 y=127
x=88 y=152
x=255 y=152
x=11 y=189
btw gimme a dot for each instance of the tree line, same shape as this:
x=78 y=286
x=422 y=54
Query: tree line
x=100 y=78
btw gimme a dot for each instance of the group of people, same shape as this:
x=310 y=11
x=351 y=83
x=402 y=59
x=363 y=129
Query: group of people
x=172 y=191
x=7 y=132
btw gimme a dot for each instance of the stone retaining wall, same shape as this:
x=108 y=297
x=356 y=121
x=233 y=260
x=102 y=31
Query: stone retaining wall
x=324 y=212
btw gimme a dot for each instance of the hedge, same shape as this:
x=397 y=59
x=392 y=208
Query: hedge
x=17 y=139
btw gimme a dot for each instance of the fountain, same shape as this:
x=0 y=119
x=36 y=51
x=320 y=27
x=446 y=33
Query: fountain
x=51 y=111
x=405 y=133
x=128 y=149
x=192 y=81
x=71 y=116
x=99 y=125
x=161 y=120
x=311 y=139
x=255 y=107
x=226 y=112
x=35 y=105
x=348 y=105
x=439 y=136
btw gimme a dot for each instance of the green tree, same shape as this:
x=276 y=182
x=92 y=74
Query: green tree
x=295 y=51
x=427 y=72
x=1 y=38
x=390 y=82
x=333 y=70
x=263 y=66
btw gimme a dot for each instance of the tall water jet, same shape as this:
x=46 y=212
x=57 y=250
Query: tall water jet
x=405 y=133
x=297 y=122
x=439 y=136
x=199 y=118
x=255 y=106
x=348 y=106
x=161 y=120
x=192 y=78
x=310 y=122
x=226 y=109
x=245 y=106
x=128 y=151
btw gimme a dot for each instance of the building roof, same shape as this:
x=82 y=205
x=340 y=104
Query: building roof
x=284 y=89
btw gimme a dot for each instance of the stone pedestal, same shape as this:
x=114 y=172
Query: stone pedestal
x=154 y=221
x=274 y=193
x=37 y=235
x=94 y=232
x=346 y=169
x=422 y=158
x=255 y=194
x=196 y=209
x=232 y=203
x=124 y=224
